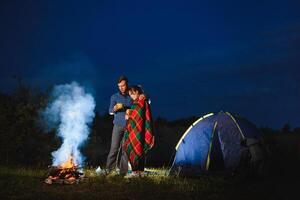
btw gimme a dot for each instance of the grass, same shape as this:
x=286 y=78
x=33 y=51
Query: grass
x=24 y=183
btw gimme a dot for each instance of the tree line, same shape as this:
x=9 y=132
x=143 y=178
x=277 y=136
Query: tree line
x=24 y=142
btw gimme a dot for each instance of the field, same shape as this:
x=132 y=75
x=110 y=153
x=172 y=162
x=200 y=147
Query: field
x=21 y=183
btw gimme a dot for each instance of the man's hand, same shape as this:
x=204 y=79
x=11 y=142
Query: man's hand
x=142 y=97
x=117 y=107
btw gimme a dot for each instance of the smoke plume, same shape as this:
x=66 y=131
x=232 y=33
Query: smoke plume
x=70 y=111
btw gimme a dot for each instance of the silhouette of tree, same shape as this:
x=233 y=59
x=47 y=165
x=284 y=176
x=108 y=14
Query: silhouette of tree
x=286 y=129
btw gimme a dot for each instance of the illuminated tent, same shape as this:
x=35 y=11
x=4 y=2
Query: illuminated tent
x=217 y=142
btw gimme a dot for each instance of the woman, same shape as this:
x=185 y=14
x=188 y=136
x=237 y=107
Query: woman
x=138 y=136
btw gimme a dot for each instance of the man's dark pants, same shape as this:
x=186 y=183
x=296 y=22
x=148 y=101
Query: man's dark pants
x=116 y=151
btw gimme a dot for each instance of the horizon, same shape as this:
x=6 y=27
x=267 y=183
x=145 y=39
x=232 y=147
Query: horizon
x=106 y=113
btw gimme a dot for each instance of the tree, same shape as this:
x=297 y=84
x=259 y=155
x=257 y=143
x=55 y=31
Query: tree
x=286 y=129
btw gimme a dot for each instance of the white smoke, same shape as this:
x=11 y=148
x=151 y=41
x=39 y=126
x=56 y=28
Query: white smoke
x=71 y=110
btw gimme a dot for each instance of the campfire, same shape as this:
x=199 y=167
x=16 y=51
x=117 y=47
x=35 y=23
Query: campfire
x=66 y=173
x=70 y=112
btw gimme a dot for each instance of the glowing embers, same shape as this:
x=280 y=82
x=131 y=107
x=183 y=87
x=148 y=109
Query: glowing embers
x=66 y=173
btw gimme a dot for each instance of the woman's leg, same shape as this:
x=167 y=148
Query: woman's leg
x=140 y=166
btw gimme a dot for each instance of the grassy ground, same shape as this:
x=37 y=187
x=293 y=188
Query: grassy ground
x=21 y=183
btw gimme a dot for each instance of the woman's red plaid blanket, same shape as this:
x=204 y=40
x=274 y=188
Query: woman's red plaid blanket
x=138 y=136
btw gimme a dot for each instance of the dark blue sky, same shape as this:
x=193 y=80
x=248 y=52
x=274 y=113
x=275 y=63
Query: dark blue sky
x=192 y=57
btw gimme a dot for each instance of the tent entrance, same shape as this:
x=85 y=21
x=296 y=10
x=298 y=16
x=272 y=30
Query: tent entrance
x=215 y=161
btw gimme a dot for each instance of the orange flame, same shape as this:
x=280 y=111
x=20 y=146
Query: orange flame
x=65 y=173
x=68 y=164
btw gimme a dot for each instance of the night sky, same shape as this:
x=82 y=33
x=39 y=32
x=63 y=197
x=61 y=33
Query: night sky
x=192 y=57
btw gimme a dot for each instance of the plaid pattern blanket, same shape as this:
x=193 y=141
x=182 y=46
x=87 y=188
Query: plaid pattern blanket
x=138 y=136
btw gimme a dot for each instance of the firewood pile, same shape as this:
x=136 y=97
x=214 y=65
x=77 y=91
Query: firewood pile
x=68 y=176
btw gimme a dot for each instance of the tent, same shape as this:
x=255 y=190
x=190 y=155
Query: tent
x=217 y=142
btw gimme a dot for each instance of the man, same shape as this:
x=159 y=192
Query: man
x=119 y=103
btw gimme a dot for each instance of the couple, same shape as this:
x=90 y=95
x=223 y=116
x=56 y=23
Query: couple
x=132 y=134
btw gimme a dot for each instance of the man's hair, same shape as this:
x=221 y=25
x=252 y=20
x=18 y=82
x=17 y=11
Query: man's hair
x=123 y=78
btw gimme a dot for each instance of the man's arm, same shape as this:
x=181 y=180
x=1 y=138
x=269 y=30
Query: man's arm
x=111 y=106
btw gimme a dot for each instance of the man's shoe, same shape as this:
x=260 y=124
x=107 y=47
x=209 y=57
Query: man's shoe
x=102 y=172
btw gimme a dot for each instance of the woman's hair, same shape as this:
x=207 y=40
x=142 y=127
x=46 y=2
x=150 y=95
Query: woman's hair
x=136 y=88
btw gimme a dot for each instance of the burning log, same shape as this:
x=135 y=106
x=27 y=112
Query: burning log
x=67 y=173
